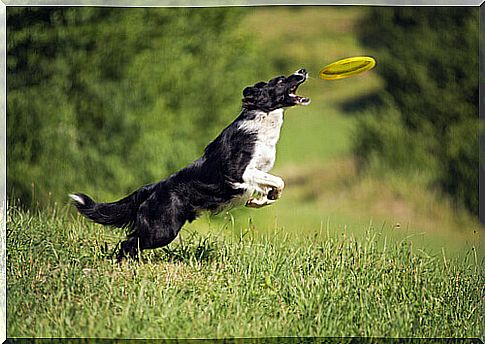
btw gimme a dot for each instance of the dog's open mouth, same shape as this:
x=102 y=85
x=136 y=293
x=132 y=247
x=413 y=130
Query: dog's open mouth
x=299 y=77
x=298 y=99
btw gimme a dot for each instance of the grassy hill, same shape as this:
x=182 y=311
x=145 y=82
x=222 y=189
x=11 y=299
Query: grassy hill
x=62 y=283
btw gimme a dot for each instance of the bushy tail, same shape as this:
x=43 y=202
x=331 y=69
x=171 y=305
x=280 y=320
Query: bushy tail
x=120 y=214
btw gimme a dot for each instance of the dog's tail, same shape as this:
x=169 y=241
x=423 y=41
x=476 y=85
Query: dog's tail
x=120 y=214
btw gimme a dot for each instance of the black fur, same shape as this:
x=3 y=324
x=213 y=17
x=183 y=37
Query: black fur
x=155 y=213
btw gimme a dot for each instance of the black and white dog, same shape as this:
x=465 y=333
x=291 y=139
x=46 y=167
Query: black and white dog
x=234 y=168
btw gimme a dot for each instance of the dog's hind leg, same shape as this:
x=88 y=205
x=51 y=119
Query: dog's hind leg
x=129 y=248
x=158 y=224
x=150 y=237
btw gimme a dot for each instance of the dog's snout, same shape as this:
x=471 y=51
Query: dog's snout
x=301 y=74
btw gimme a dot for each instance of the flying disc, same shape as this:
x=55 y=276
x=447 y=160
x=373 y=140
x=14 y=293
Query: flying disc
x=346 y=68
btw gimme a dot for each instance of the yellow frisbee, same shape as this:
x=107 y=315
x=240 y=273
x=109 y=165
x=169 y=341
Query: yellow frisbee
x=346 y=68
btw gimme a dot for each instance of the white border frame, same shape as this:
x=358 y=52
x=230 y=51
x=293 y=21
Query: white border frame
x=151 y=3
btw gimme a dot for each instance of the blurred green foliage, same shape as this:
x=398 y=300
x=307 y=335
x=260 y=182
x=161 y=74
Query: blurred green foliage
x=426 y=120
x=102 y=100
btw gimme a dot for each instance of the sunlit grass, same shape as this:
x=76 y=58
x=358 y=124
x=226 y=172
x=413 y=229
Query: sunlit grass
x=62 y=282
x=309 y=137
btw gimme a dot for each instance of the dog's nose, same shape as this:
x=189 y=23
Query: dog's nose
x=301 y=71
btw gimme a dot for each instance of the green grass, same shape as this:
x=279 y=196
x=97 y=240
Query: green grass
x=62 y=282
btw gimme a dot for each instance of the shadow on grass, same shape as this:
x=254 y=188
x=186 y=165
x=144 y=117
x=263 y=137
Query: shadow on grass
x=190 y=247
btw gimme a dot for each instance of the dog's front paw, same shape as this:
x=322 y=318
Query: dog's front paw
x=274 y=194
x=280 y=185
x=258 y=202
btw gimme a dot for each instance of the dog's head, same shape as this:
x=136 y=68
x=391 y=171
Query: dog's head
x=276 y=93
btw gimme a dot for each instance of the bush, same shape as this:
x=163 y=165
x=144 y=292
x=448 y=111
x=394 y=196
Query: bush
x=428 y=58
x=102 y=100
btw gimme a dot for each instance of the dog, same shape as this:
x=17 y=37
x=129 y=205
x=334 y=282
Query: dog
x=233 y=169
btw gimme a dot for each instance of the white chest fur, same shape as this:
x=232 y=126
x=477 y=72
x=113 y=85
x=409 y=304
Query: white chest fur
x=267 y=126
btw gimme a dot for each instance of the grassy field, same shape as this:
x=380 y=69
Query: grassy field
x=340 y=254
x=62 y=283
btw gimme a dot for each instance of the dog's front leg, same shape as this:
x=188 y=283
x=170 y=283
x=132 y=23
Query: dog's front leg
x=263 y=180
x=268 y=185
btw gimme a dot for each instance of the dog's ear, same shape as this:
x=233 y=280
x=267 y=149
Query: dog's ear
x=252 y=91
x=255 y=98
x=248 y=91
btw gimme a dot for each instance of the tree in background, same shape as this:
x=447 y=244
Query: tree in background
x=427 y=117
x=102 y=100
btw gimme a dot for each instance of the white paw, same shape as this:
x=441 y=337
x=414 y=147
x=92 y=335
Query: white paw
x=280 y=184
x=258 y=202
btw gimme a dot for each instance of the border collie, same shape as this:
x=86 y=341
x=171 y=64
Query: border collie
x=233 y=169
